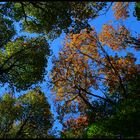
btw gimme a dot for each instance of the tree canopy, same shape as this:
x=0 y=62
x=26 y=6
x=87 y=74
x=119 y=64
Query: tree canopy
x=94 y=80
x=51 y=18
x=23 y=62
x=27 y=116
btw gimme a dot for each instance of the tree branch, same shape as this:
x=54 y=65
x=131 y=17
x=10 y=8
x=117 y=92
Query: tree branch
x=23 y=10
x=72 y=99
x=113 y=68
x=105 y=99
x=86 y=102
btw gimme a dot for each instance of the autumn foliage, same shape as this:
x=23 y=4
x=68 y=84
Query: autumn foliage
x=84 y=64
x=94 y=79
x=77 y=126
x=114 y=38
x=121 y=10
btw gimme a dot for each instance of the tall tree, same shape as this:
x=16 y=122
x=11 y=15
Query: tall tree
x=84 y=66
x=27 y=116
x=23 y=62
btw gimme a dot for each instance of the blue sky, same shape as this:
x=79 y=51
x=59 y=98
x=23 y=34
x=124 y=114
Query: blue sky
x=131 y=23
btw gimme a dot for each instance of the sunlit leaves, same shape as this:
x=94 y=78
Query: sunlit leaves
x=76 y=127
x=123 y=66
x=114 y=38
x=98 y=131
x=121 y=10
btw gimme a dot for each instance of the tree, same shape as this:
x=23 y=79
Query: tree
x=36 y=119
x=119 y=38
x=23 y=62
x=51 y=18
x=27 y=116
x=33 y=16
x=84 y=65
x=7 y=30
x=124 y=123
x=9 y=113
x=137 y=10
x=84 y=71
x=120 y=121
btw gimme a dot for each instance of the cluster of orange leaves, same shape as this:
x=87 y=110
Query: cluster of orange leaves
x=73 y=69
x=76 y=124
x=114 y=38
x=124 y=67
x=121 y=10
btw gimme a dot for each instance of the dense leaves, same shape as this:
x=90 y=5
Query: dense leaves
x=124 y=123
x=80 y=56
x=51 y=18
x=84 y=67
x=23 y=62
x=27 y=116
x=7 y=30
x=137 y=10
x=75 y=128
x=95 y=78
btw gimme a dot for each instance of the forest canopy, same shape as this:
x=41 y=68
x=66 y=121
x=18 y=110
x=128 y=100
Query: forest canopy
x=93 y=85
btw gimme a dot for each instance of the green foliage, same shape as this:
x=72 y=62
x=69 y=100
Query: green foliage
x=9 y=113
x=51 y=18
x=126 y=120
x=27 y=116
x=98 y=131
x=7 y=30
x=23 y=62
x=36 y=111
x=137 y=10
x=124 y=123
